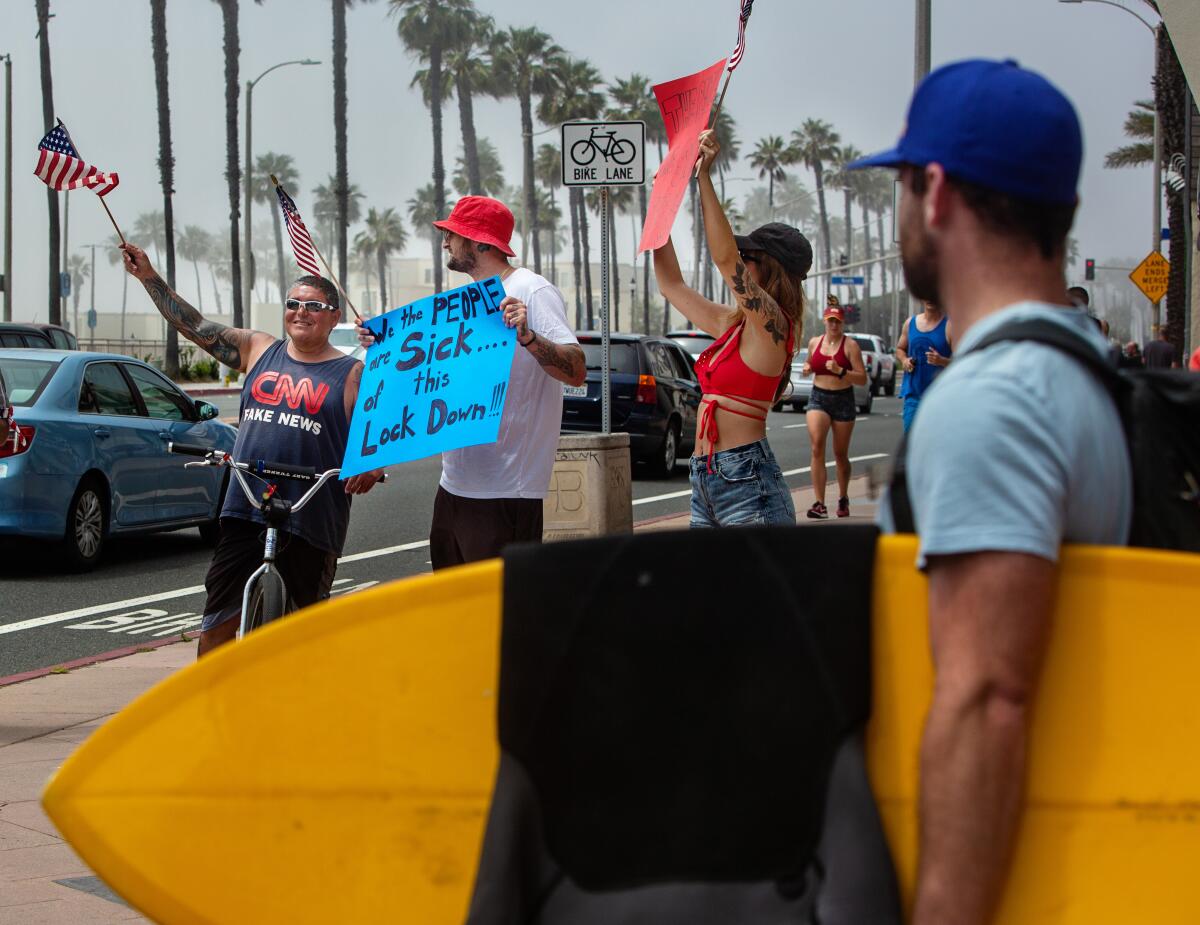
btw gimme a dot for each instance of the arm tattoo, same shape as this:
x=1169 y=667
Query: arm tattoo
x=753 y=299
x=552 y=355
x=223 y=342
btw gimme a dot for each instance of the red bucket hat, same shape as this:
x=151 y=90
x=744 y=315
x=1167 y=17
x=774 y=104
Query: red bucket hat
x=478 y=218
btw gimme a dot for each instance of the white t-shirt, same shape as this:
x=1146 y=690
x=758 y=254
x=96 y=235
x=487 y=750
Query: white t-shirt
x=519 y=463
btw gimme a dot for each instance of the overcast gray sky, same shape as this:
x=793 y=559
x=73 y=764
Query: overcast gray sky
x=849 y=62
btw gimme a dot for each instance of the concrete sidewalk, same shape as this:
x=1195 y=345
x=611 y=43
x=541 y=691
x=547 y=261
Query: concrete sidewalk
x=43 y=720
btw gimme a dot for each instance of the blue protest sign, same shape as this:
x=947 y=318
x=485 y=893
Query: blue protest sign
x=434 y=380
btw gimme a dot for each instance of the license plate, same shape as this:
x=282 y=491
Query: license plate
x=575 y=391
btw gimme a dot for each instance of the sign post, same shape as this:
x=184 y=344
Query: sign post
x=604 y=154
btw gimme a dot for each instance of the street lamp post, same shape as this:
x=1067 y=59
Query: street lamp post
x=1156 y=211
x=923 y=42
x=8 y=209
x=249 y=177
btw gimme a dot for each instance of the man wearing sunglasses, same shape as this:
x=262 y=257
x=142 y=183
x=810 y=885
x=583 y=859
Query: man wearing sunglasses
x=296 y=406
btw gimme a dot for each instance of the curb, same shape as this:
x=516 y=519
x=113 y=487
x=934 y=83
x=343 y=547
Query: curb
x=92 y=660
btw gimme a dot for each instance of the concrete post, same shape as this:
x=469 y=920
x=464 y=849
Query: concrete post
x=591 y=491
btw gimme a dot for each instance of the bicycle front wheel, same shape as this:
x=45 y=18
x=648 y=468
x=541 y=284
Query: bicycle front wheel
x=583 y=152
x=267 y=601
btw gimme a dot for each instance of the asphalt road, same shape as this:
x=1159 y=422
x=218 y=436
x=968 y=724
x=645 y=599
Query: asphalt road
x=152 y=587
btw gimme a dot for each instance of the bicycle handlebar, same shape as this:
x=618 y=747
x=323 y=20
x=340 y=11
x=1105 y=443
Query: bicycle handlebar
x=188 y=449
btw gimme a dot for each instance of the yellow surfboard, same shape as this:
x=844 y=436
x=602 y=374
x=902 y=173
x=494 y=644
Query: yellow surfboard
x=273 y=782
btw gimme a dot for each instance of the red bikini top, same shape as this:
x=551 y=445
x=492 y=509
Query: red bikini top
x=820 y=362
x=722 y=371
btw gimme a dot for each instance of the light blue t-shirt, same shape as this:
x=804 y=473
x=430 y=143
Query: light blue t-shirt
x=1017 y=448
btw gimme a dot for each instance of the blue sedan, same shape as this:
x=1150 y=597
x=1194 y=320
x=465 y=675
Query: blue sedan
x=87 y=458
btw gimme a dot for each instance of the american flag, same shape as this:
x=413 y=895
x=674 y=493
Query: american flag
x=60 y=168
x=736 y=58
x=302 y=245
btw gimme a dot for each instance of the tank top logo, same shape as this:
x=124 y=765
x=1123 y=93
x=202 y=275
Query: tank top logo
x=271 y=388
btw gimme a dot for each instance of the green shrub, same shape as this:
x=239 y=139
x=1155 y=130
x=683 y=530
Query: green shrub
x=204 y=370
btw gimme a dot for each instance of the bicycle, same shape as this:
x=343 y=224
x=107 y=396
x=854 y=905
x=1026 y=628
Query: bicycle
x=621 y=150
x=265 y=596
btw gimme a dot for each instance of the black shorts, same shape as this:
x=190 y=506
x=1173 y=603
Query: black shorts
x=837 y=403
x=474 y=529
x=307 y=571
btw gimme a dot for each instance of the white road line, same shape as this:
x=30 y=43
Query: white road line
x=683 y=494
x=170 y=595
x=356 y=557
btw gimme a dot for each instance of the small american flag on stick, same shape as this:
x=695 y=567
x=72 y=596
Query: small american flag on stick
x=736 y=58
x=60 y=167
x=302 y=245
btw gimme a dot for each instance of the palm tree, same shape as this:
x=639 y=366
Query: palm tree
x=489 y=172
x=525 y=61
x=1139 y=124
x=148 y=228
x=769 y=158
x=620 y=201
x=547 y=168
x=1172 y=101
x=634 y=99
x=468 y=68
x=575 y=96
x=814 y=145
x=843 y=177
x=80 y=269
x=233 y=174
x=194 y=245
x=218 y=265
x=54 y=244
x=166 y=161
x=263 y=191
x=341 y=182
x=383 y=236
x=325 y=208
x=423 y=211
x=427 y=28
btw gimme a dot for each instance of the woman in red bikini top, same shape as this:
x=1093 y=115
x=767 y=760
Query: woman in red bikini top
x=735 y=478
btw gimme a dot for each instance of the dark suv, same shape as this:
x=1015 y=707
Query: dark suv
x=655 y=397
x=23 y=335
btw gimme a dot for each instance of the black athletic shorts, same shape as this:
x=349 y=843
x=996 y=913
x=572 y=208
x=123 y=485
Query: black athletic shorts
x=307 y=571
x=474 y=529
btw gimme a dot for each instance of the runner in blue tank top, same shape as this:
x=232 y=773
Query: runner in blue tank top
x=295 y=409
x=923 y=350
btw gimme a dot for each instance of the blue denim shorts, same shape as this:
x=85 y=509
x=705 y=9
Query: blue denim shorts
x=745 y=488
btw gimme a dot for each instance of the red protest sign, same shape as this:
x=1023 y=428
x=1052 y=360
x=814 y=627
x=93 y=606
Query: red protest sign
x=685 y=105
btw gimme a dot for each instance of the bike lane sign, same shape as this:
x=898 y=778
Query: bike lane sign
x=604 y=153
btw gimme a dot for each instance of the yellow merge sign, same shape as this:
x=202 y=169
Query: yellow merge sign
x=1150 y=276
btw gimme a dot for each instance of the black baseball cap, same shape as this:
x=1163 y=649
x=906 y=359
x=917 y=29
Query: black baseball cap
x=783 y=242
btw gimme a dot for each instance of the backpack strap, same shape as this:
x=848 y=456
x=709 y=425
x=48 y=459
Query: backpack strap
x=1038 y=331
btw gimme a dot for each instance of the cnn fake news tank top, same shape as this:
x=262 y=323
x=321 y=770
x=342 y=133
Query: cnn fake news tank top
x=295 y=413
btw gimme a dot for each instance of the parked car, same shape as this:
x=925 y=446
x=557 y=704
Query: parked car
x=655 y=397
x=864 y=397
x=880 y=361
x=88 y=456
x=345 y=338
x=693 y=341
x=13 y=334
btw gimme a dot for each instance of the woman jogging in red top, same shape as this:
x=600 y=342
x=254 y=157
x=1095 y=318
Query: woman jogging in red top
x=735 y=478
x=836 y=365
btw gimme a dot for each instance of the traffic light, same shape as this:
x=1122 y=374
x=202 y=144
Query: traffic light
x=843 y=260
x=852 y=314
x=1089 y=269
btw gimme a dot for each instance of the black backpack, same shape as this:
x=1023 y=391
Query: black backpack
x=1160 y=413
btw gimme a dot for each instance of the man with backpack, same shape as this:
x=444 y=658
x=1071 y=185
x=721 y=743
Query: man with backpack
x=1018 y=449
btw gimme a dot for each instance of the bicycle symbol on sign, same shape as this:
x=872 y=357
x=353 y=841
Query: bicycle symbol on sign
x=607 y=145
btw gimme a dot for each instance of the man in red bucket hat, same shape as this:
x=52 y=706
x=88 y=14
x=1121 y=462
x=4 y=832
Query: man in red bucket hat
x=491 y=495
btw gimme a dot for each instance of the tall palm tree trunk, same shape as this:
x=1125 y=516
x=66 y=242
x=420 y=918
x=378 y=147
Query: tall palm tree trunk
x=1171 y=101
x=612 y=253
x=466 y=121
x=692 y=193
x=530 y=197
x=818 y=173
x=166 y=160
x=199 y=291
x=233 y=174
x=587 y=263
x=866 y=217
x=849 y=236
x=573 y=196
x=212 y=274
x=771 y=193
x=439 y=164
x=53 y=245
x=124 y=300
x=278 y=225
x=883 y=249
x=381 y=260
x=435 y=242
x=342 y=179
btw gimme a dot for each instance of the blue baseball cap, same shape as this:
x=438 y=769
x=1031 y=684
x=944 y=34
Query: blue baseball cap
x=994 y=124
